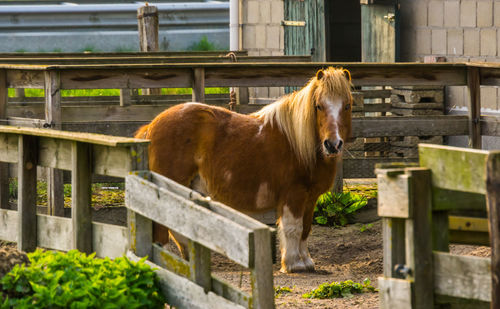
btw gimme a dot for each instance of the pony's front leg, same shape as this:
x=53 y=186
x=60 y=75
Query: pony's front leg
x=290 y=233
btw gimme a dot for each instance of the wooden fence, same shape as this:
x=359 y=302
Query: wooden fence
x=209 y=226
x=422 y=209
x=82 y=154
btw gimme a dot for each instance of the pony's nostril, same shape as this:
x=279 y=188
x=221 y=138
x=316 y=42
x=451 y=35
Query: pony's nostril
x=329 y=146
x=339 y=145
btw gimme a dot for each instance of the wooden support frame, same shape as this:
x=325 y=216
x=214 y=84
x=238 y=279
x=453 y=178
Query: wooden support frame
x=4 y=167
x=27 y=193
x=81 y=192
x=199 y=85
x=493 y=201
x=473 y=84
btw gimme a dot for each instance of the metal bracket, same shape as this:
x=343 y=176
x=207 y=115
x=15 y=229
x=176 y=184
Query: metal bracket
x=294 y=23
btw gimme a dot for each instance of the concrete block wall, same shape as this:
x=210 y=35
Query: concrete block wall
x=460 y=31
x=262 y=35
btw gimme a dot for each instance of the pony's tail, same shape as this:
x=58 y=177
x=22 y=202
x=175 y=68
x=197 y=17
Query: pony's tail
x=142 y=132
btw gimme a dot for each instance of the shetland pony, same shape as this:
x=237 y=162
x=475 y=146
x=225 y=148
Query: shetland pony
x=283 y=156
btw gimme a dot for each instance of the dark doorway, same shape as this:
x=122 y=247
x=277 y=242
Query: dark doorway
x=343 y=30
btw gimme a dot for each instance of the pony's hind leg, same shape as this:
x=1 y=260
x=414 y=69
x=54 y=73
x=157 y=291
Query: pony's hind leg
x=290 y=232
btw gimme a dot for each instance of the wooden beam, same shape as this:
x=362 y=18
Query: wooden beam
x=490 y=125
x=467 y=277
x=493 y=202
x=395 y=293
x=393 y=233
x=418 y=237
x=27 y=193
x=81 y=192
x=4 y=167
x=199 y=85
x=473 y=85
x=199 y=263
x=261 y=273
x=171 y=210
x=455 y=168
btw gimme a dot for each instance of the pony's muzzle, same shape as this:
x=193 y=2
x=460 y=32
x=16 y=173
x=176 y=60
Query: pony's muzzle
x=333 y=147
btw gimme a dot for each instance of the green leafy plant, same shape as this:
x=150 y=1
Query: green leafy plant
x=77 y=280
x=280 y=290
x=365 y=227
x=344 y=289
x=203 y=45
x=337 y=209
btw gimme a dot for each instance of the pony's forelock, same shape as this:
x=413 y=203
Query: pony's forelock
x=295 y=114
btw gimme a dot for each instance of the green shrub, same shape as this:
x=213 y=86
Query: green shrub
x=75 y=280
x=203 y=45
x=340 y=289
x=337 y=209
x=281 y=290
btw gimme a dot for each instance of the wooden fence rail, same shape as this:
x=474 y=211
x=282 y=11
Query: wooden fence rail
x=415 y=204
x=209 y=226
x=82 y=154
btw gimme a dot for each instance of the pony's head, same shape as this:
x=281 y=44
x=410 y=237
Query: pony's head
x=332 y=101
x=317 y=117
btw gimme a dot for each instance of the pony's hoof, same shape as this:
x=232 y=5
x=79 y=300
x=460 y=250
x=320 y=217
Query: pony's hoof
x=295 y=268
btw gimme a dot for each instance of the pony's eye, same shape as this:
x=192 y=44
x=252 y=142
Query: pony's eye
x=347 y=107
x=318 y=107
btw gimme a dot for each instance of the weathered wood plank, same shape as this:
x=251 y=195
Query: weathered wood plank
x=170 y=261
x=395 y=293
x=394 y=196
x=111 y=161
x=216 y=207
x=410 y=126
x=189 y=219
x=493 y=202
x=261 y=274
x=55 y=233
x=27 y=193
x=226 y=290
x=418 y=237
x=393 y=234
x=443 y=199
x=55 y=153
x=474 y=110
x=8 y=225
x=109 y=240
x=490 y=126
x=8 y=148
x=199 y=264
x=199 y=85
x=140 y=233
x=92 y=138
x=440 y=231
x=462 y=276
x=183 y=293
x=25 y=79
x=81 y=192
x=4 y=167
x=455 y=168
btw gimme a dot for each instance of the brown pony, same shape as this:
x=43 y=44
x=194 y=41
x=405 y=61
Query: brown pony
x=283 y=156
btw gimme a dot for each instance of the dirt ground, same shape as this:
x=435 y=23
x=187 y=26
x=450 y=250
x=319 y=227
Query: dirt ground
x=340 y=254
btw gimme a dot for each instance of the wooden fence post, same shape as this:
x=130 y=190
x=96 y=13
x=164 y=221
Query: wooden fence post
x=199 y=262
x=53 y=119
x=493 y=203
x=81 y=191
x=26 y=205
x=148 y=26
x=418 y=238
x=199 y=85
x=262 y=271
x=473 y=84
x=4 y=167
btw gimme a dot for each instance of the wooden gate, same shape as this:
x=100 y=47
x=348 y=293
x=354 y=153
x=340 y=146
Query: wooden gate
x=305 y=28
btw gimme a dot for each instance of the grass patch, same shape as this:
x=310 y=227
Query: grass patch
x=344 y=289
x=75 y=280
x=337 y=209
x=281 y=290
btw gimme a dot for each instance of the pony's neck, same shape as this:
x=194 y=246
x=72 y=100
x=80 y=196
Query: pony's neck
x=294 y=115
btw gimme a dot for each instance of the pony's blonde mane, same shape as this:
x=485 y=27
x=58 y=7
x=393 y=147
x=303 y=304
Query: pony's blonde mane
x=295 y=114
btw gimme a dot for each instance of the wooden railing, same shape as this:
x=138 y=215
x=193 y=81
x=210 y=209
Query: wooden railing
x=415 y=204
x=209 y=226
x=82 y=154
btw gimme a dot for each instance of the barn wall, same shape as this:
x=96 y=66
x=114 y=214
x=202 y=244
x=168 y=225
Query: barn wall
x=459 y=30
x=262 y=35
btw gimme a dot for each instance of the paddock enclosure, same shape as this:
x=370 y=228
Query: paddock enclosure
x=207 y=225
x=419 y=207
x=123 y=117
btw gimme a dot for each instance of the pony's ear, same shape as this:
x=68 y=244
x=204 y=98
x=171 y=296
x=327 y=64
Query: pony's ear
x=347 y=74
x=320 y=74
